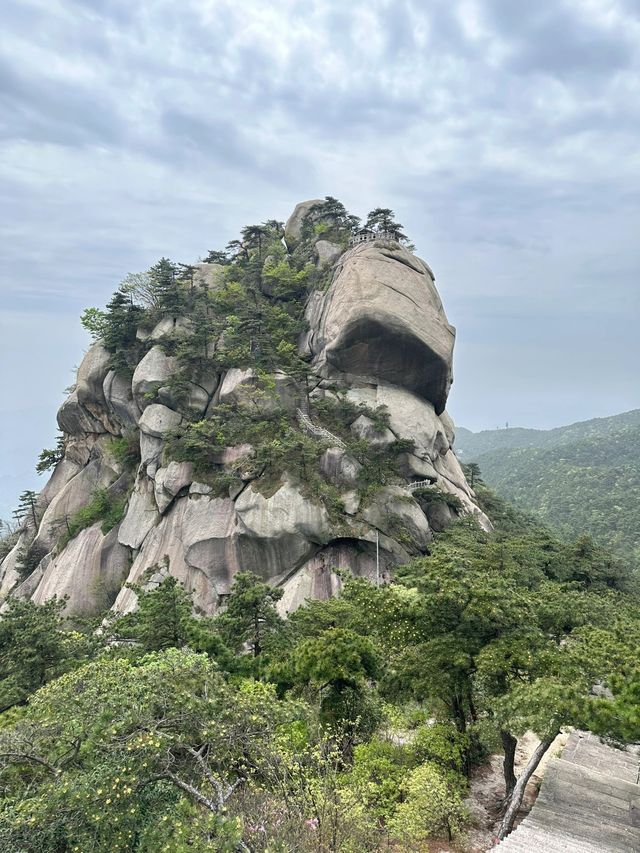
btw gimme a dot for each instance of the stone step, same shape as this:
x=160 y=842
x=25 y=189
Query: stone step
x=586 y=750
x=596 y=780
x=526 y=839
x=546 y=843
x=607 y=835
x=589 y=803
x=587 y=794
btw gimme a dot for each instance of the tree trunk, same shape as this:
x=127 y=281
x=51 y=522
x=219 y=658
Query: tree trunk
x=515 y=800
x=509 y=744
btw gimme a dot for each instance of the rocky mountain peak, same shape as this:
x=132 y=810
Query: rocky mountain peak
x=280 y=411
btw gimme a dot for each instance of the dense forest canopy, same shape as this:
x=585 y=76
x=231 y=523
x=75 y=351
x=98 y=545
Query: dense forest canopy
x=245 y=731
x=580 y=478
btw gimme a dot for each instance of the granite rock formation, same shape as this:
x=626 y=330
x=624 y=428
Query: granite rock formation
x=377 y=337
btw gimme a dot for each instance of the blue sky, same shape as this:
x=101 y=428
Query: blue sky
x=503 y=134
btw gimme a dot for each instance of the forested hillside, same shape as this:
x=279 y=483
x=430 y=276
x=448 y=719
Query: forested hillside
x=257 y=606
x=354 y=725
x=583 y=478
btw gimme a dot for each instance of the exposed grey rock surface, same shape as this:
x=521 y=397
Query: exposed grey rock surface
x=170 y=480
x=382 y=319
x=293 y=225
x=150 y=374
x=327 y=252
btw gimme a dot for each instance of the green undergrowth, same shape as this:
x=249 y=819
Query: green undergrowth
x=102 y=507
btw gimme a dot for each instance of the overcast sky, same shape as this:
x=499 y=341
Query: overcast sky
x=504 y=134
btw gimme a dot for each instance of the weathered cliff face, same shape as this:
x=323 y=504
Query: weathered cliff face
x=377 y=341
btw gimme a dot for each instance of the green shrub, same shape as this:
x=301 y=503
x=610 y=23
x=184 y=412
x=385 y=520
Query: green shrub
x=376 y=776
x=432 y=807
x=431 y=494
x=126 y=449
x=441 y=744
x=102 y=506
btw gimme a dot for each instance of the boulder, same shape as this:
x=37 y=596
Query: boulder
x=119 y=400
x=157 y=419
x=414 y=418
x=170 y=480
x=244 y=388
x=196 y=540
x=327 y=252
x=209 y=276
x=91 y=375
x=169 y=327
x=150 y=452
x=277 y=533
x=339 y=467
x=9 y=574
x=142 y=514
x=439 y=515
x=449 y=427
x=193 y=399
x=316 y=580
x=64 y=471
x=238 y=387
x=293 y=226
x=200 y=489
x=394 y=513
x=364 y=427
x=74 y=496
x=151 y=373
x=413 y=467
x=350 y=501
x=78 y=448
x=74 y=419
x=410 y=417
x=382 y=320
x=286 y=512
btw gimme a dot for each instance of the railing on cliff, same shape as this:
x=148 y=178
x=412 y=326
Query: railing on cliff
x=365 y=235
x=419 y=484
x=318 y=431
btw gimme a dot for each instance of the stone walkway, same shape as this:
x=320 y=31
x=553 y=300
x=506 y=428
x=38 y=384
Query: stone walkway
x=589 y=802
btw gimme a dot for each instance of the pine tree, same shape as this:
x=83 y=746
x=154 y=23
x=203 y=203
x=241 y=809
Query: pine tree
x=120 y=328
x=163 y=619
x=252 y=235
x=49 y=458
x=472 y=473
x=170 y=296
x=27 y=511
x=381 y=219
x=187 y=274
x=216 y=257
x=250 y=615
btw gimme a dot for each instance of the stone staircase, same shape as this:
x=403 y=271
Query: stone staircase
x=318 y=431
x=589 y=802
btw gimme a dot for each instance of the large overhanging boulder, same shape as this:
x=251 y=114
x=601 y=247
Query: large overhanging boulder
x=382 y=320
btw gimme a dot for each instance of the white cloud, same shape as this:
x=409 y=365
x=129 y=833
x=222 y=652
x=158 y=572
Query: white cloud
x=504 y=135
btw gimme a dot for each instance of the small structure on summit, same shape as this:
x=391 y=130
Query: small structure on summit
x=367 y=235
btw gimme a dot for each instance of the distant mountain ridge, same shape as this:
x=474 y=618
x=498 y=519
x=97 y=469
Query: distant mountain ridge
x=581 y=478
x=470 y=444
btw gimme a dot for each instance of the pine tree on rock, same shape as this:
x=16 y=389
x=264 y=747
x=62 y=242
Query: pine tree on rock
x=381 y=219
x=250 y=616
x=169 y=292
x=27 y=511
